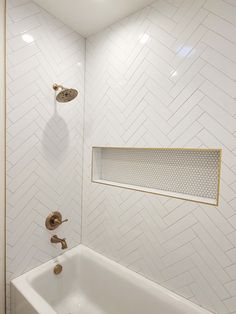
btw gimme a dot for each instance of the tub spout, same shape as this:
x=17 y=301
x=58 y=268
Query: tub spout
x=55 y=239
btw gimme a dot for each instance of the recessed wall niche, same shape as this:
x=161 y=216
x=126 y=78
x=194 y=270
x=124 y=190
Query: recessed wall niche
x=188 y=173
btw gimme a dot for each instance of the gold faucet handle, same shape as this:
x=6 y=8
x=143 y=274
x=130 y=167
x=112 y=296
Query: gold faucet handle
x=54 y=220
x=59 y=222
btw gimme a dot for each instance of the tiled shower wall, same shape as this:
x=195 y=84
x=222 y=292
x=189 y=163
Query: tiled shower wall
x=165 y=77
x=44 y=140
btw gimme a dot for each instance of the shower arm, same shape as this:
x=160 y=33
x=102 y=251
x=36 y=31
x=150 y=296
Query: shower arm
x=56 y=87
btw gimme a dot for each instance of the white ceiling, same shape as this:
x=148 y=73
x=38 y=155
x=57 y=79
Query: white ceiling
x=90 y=16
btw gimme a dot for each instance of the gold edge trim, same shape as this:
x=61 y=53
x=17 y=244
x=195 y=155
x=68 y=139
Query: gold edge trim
x=162 y=148
x=5 y=152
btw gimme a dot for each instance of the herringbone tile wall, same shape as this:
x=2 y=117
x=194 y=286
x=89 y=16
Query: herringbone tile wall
x=44 y=141
x=166 y=77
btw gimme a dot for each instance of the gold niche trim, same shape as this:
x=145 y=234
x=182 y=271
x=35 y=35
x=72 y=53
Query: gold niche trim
x=219 y=150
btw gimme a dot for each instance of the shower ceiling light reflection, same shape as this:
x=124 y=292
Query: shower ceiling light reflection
x=184 y=51
x=28 y=38
x=144 y=38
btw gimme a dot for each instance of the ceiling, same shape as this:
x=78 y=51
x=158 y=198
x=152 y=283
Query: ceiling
x=90 y=16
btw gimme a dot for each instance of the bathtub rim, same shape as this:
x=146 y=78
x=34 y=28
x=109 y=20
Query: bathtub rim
x=23 y=282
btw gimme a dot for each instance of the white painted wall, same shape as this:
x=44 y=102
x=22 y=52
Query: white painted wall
x=165 y=77
x=88 y=16
x=2 y=156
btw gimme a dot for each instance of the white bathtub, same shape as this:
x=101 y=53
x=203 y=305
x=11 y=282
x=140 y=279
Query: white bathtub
x=92 y=284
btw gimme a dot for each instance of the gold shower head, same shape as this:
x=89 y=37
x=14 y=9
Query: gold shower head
x=65 y=94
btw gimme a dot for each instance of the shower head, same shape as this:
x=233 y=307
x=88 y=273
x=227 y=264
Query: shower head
x=65 y=94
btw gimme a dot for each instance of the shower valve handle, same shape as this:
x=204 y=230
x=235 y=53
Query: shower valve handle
x=59 y=222
x=54 y=220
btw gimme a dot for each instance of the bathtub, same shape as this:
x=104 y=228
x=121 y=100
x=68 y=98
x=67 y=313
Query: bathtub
x=92 y=284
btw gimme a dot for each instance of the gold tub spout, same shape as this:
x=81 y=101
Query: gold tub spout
x=55 y=239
